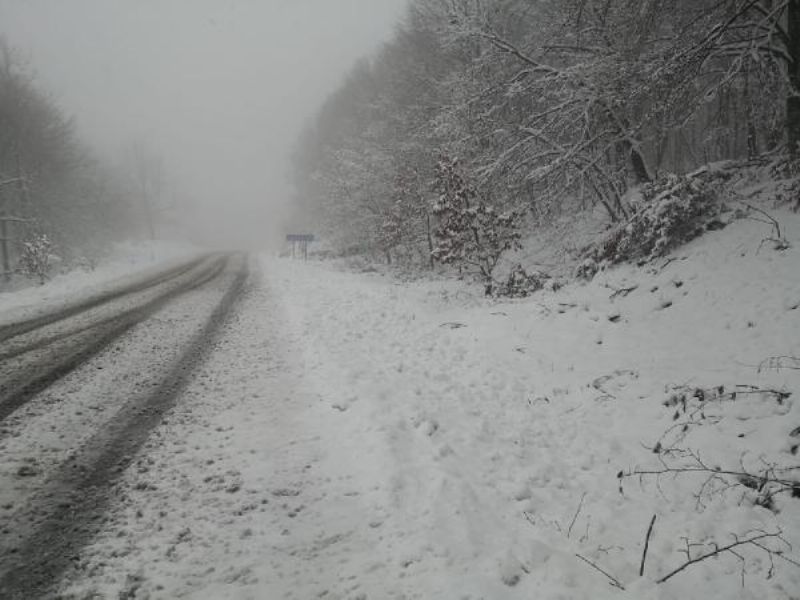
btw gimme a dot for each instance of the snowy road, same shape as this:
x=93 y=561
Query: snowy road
x=41 y=349
x=81 y=391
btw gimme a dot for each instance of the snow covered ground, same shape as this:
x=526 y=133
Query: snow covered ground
x=357 y=438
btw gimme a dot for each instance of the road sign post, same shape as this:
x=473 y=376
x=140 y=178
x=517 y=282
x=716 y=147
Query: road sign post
x=304 y=239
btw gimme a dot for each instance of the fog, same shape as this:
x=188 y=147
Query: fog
x=220 y=89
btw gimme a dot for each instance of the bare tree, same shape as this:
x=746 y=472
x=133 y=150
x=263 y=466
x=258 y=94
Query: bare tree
x=146 y=169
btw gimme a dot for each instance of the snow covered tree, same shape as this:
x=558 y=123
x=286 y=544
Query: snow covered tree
x=37 y=256
x=364 y=169
x=552 y=106
x=585 y=98
x=469 y=233
x=700 y=73
x=412 y=212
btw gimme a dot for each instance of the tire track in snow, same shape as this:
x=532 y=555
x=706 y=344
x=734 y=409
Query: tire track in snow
x=70 y=507
x=19 y=328
x=31 y=367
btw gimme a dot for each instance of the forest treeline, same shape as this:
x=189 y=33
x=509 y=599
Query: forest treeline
x=481 y=114
x=58 y=200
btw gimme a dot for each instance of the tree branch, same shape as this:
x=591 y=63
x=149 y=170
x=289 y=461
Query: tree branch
x=722 y=549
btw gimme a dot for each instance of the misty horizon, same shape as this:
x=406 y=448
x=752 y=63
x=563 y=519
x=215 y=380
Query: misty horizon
x=219 y=91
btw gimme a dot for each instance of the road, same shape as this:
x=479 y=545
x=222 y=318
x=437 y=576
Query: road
x=81 y=389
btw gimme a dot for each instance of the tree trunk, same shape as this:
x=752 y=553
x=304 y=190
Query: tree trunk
x=751 y=137
x=640 y=170
x=5 y=250
x=793 y=100
x=430 y=238
x=148 y=216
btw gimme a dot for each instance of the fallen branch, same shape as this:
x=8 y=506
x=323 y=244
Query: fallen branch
x=753 y=540
x=611 y=579
x=668 y=262
x=646 y=545
x=780 y=243
x=766 y=482
x=577 y=512
x=453 y=325
x=763 y=483
x=621 y=291
x=770 y=219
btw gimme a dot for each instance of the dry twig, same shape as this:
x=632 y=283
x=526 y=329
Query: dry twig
x=767 y=482
x=752 y=540
x=577 y=512
x=611 y=579
x=624 y=291
x=646 y=545
x=779 y=242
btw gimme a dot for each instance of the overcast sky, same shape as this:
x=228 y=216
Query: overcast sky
x=220 y=87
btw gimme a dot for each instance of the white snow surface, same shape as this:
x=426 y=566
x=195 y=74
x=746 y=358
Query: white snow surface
x=356 y=438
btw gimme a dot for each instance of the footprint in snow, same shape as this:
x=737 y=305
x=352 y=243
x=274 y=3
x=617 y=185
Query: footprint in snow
x=427 y=426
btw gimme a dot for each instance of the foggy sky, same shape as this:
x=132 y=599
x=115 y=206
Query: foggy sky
x=220 y=88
